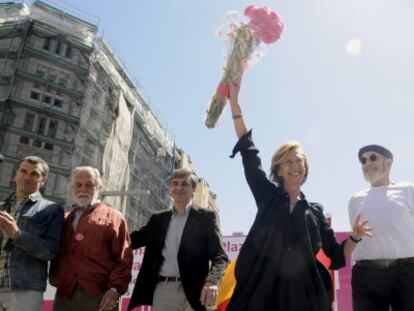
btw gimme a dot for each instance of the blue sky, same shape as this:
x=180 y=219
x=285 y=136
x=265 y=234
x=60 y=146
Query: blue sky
x=307 y=88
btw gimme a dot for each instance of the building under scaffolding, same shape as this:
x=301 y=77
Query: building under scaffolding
x=66 y=97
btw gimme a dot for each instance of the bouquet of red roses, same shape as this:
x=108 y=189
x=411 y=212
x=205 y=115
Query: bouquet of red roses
x=244 y=40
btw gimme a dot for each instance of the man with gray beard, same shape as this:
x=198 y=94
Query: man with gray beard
x=383 y=273
x=94 y=265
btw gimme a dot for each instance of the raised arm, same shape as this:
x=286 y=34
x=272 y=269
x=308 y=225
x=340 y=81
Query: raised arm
x=261 y=187
x=238 y=120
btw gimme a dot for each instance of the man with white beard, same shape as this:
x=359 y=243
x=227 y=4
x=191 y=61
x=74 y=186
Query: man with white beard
x=94 y=265
x=383 y=273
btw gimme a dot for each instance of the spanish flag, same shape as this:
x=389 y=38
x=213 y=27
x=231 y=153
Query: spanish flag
x=226 y=288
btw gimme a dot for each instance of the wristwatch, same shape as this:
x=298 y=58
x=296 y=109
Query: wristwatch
x=355 y=240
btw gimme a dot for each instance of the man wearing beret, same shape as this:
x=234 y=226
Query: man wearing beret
x=383 y=273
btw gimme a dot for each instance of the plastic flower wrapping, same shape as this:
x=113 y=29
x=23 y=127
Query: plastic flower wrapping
x=245 y=46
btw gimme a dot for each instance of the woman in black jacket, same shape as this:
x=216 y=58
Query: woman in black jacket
x=277 y=267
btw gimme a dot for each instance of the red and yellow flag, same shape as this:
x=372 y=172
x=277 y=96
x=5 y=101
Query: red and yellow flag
x=226 y=288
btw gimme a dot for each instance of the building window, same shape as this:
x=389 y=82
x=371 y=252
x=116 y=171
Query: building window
x=62 y=82
x=68 y=52
x=47 y=99
x=36 y=85
x=41 y=126
x=46 y=44
x=51 y=78
x=48 y=146
x=58 y=102
x=40 y=73
x=29 y=121
x=24 y=140
x=58 y=47
x=37 y=143
x=34 y=95
x=52 y=128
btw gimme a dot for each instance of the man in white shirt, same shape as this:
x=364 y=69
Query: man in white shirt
x=184 y=259
x=383 y=274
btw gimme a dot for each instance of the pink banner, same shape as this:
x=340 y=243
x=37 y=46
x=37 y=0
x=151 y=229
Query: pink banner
x=343 y=281
x=232 y=245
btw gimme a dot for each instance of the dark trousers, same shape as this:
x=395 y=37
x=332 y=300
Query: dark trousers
x=379 y=289
x=79 y=302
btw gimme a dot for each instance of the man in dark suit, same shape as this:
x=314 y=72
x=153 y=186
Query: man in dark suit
x=184 y=259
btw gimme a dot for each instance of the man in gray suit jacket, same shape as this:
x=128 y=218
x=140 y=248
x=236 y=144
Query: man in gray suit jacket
x=184 y=259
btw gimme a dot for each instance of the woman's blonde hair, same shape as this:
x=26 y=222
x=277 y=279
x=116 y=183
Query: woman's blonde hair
x=280 y=155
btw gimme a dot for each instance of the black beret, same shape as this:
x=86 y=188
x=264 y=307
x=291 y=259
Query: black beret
x=375 y=148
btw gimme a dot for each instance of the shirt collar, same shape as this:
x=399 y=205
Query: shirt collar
x=78 y=209
x=301 y=194
x=34 y=197
x=186 y=211
x=86 y=208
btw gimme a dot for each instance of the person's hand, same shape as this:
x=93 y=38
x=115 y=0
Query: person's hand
x=209 y=294
x=8 y=225
x=234 y=89
x=360 y=228
x=108 y=301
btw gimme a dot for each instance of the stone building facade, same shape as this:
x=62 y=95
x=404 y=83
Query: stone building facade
x=65 y=96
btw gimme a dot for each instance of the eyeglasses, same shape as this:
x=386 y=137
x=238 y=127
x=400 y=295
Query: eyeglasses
x=372 y=158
